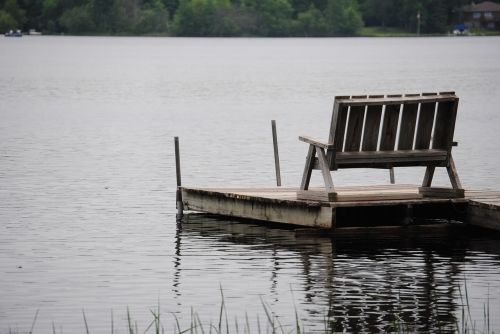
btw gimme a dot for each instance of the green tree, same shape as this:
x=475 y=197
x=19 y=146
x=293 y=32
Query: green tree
x=171 y=6
x=343 y=17
x=191 y=18
x=77 y=20
x=153 y=18
x=51 y=12
x=33 y=13
x=7 y=22
x=205 y=18
x=274 y=16
x=380 y=12
x=311 y=22
x=436 y=17
x=103 y=14
x=12 y=8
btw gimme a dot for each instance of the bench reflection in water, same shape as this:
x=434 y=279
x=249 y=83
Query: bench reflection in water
x=362 y=280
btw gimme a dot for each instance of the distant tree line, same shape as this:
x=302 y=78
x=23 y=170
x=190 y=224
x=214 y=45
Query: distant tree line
x=226 y=17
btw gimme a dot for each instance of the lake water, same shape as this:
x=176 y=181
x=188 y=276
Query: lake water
x=87 y=182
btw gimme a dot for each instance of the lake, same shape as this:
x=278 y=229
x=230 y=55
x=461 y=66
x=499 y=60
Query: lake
x=87 y=182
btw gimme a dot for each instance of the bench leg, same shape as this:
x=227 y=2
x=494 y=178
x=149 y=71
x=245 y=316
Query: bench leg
x=429 y=174
x=325 y=170
x=306 y=177
x=452 y=173
x=455 y=192
x=391 y=175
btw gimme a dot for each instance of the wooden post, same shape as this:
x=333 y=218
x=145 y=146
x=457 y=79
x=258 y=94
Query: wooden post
x=391 y=175
x=178 y=194
x=429 y=174
x=276 y=154
x=409 y=215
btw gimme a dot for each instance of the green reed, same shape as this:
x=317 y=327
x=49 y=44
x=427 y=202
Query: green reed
x=272 y=325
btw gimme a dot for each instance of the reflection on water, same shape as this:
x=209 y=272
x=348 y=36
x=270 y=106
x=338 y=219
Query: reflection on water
x=87 y=179
x=365 y=284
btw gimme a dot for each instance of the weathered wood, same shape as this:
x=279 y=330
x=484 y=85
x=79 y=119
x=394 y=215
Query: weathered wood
x=452 y=173
x=387 y=132
x=359 y=196
x=424 y=98
x=391 y=176
x=334 y=137
x=372 y=127
x=354 y=129
x=445 y=125
x=338 y=132
x=177 y=162
x=316 y=142
x=391 y=156
x=407 y=129
x=390 y=126
x=429 y=175
x=325 y=170
x=483 y=216
x=276 y=154
x=441 y=192
x=316 y=195
x=276 y=204
x=178 y=194
x=306 y=177
x=424 y=127
x=258 y=208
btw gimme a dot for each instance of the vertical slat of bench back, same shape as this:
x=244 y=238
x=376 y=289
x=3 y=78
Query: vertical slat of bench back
x=372 y=126
x=339 y=119
x=424 y=127
x=337 y=128
x=390 y=126
x=408 y=123
x=445 y=123
x=354 y=127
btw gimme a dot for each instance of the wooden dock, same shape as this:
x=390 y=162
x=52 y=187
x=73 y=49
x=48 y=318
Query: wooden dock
x=362 y=206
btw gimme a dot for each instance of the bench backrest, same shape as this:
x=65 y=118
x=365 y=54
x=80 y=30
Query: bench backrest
x=393 y=122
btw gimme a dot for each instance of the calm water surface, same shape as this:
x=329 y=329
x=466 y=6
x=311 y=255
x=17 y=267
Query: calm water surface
x=87 y=181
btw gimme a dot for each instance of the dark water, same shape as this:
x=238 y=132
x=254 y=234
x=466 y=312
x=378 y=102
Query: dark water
x=87 y=181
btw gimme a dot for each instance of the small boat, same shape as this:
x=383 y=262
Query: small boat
x=13 y=33
x=33 y=32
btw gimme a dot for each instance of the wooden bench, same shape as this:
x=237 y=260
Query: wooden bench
x=389 y=131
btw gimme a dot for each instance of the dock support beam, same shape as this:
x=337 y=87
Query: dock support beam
x=178 y=193
x=276 y=154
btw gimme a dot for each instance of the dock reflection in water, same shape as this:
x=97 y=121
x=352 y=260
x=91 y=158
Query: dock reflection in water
x=365 y=282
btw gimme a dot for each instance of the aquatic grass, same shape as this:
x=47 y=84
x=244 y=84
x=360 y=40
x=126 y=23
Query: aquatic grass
x=34 y=322
x=465 y=325
x=85 y=322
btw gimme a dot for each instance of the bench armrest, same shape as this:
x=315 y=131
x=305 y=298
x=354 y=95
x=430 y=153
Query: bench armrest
x=316 y=142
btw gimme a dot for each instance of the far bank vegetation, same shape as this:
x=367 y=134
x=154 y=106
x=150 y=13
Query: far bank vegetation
x=228 y=17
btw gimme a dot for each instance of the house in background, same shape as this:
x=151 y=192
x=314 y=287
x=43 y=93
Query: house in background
x=484 y=15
